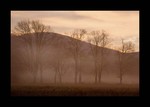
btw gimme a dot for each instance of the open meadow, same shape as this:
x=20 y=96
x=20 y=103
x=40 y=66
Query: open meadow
x=76 y=90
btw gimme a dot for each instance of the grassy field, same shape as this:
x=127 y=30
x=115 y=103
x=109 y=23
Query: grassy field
x=76 y=90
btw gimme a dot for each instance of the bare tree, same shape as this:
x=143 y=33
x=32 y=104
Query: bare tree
x=95 y=40
x=57 y=61
x=75 y=49
x=59 y=68
x=23 y=27
x=38 y=29
x=98 y=39
x=32 y=34
x=104 y=42
x=126 y=47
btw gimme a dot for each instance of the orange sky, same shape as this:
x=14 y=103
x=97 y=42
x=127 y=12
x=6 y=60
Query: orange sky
x=119 y=24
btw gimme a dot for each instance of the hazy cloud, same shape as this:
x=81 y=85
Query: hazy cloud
x=119 y=24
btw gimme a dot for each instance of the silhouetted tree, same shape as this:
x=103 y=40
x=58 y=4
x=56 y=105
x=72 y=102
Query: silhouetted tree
x=75 y=49
x=98 y=39
x=59 y=66
x=95 y=40
x=58 y=63
x=32 y=34
x=126 y=47
x=104 y=42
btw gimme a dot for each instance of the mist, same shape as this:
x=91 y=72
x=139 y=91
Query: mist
x=44 y=63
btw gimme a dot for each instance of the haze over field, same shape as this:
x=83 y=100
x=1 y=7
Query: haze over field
x=53 y=52
x=68 y=52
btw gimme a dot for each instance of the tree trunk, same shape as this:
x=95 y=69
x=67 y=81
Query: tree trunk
x=60 y=75
x=76 y=70
x=120 y=78
x=121 y=73
x=100 y=73
x=34 y=71
x=101 y=67
x=34 y=78
x=95 y=72
x=55 y=78
x=41 y=74
x=99 y=76
x=80 y=77
x=60 y=78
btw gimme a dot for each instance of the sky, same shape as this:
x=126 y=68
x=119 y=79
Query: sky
x=118 y=24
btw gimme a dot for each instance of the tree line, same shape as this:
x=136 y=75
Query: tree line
x=34 y=49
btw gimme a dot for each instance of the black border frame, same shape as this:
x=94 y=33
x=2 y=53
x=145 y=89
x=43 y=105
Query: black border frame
x=114 y=5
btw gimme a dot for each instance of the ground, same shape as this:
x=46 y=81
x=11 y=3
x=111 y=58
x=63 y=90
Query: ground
x=76 y=90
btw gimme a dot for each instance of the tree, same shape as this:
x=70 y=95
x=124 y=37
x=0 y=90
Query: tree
x=104 y=42
x=38 y=28
x=75 y=49
x=126 y=47
x=33 y=35
x=23 y=27
x=98 y=39
x=95 y=40
x=58 y=62
x=59 y=67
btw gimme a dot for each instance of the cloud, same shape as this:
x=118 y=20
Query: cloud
x=54 y=18
x=119 y=24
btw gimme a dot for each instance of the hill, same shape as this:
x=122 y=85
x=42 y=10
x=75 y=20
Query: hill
x=57 y=47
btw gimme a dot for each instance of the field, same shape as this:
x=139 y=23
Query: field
x=76 y=90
